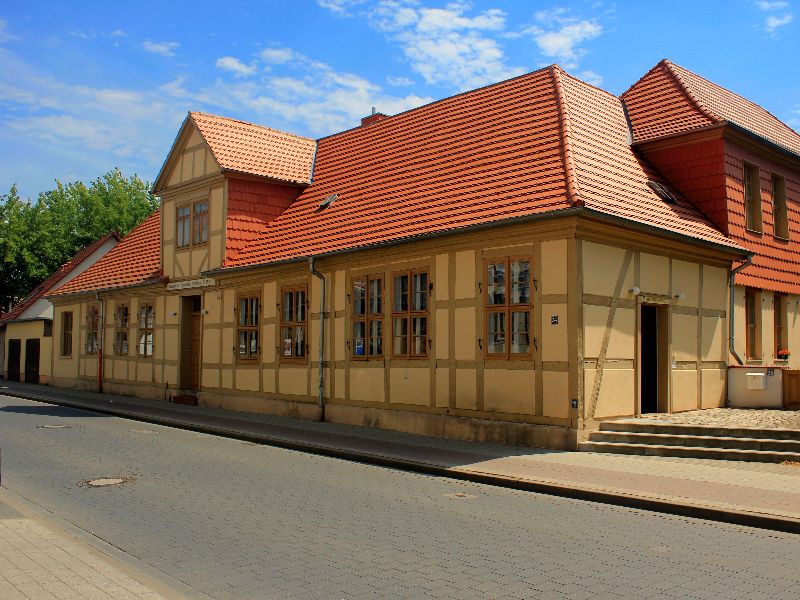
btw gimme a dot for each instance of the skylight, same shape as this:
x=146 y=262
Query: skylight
x=665 y=192
x=328 y=201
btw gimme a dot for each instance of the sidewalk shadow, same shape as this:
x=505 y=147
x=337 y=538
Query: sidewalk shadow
x=50 y=410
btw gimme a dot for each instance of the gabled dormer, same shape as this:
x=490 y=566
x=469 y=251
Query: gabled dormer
x=221 y=184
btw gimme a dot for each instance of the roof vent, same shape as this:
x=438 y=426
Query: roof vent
x=328 y=201
x=663 y=191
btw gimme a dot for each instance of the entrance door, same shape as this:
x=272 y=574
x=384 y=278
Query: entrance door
x=654 y=359
x=14 y=359
x=32 y=361
x=191 y=342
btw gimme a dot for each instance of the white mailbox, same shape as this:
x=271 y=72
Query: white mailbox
x=756 y=381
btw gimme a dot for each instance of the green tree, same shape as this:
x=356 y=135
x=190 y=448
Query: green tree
x=36 y=238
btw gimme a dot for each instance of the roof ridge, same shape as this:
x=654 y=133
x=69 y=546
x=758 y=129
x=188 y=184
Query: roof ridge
x=566 y=140
x=671 y=71
x=221 y=117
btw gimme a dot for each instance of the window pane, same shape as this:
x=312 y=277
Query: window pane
x=400 y=341
x=375 y=296
x=150 y=316
x=359 y=330
x=300 y=295
x=359 y=297
x=288 y=307
x=242 y=342
x=142 y=344
x=419 y=327
x=520 y=332
x=520 y=282
x=254 y=311
x=420 y=291
x=286 y=341
x=496 y=333
x=299 y=341
x=253 y=342
x=400 y=288
x=200 y=222
x=496 y=284
x=242 y=311
x=375 y=338
x=149 y=348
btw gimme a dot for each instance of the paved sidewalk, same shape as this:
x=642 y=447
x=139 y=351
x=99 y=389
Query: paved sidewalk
x=40 y=562
x=757 y=418
x=755 y=494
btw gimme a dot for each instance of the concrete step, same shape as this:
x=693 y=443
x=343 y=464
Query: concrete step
x=689 y=452
x=703 y=441
x=701 y=430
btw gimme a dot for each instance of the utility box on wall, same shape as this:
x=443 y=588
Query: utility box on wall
x=755 y=387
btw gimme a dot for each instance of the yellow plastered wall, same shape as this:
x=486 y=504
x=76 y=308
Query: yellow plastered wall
x=509 y=391
x=31 y=330
x=65 y=366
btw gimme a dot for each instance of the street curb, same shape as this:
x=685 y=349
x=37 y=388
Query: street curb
x=659 y=505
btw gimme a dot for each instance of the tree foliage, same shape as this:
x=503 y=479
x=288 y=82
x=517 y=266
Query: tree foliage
x=37 y=237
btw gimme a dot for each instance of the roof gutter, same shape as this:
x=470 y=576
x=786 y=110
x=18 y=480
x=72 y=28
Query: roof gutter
x=731 y=328
x=533 y=218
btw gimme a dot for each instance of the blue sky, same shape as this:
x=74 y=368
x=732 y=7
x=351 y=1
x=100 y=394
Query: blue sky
x=89 y=86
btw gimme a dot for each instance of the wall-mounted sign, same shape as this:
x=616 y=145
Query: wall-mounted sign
x=653 y=299
x=190 y=283
x=554 y=320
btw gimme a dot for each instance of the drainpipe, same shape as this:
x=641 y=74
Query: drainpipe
x=731 y=330
x=100 y=335
x=321 y=277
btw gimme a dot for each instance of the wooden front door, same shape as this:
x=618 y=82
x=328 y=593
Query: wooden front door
x=14 y=359
x=195 y=354
x=32 y=361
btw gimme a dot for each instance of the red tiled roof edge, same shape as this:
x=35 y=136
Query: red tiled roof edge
x=52 y=280
x=566 y=140
x=141 y=268
x=668 y=66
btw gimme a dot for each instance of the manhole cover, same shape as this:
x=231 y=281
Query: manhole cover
x=460 y=496
x=54 y=426
x=106 y=481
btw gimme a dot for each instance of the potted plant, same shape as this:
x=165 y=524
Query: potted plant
x=783 y=354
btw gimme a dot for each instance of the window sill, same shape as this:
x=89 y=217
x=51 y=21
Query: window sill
x=759 y=232
x=780 y=238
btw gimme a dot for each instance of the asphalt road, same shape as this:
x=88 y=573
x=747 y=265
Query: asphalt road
x=233 y=519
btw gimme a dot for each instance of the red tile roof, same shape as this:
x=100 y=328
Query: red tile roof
x=480 y=157
x=256 y=150
x=135 y=260
x=52 y=281
x=670 y=99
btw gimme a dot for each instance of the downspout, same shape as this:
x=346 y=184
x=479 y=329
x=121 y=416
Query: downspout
x=321 y=277
x=101 y=330
x=731 y=329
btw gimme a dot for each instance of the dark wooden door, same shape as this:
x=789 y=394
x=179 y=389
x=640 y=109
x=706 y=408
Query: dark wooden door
x=32 y=361
x=791 y=389
x=196 y=342
x=14 y=359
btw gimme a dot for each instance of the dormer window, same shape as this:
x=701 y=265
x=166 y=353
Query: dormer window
x=192 y=224
x=752 y=198
x=779 y=209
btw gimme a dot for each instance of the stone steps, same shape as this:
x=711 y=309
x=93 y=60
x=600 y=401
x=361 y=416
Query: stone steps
x=691 y=441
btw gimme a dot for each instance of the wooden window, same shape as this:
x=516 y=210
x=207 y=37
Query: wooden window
x=779 y=208
x=293 y=322
x=66 y=333
x=752 y=197
x=92 y=328
x=410 y=291
x=121 y=323
x=184 y=222
x=779 y=306
x=247 y=319
x=507 y=307
x=146 y=321
x=200 y=222
x=367 y=317
x=751 y=310
x=192 y=224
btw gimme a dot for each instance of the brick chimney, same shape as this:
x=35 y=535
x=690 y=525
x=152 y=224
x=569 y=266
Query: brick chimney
x=373 y=118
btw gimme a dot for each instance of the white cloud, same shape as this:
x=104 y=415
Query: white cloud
x=560 y=36
x=5 y=36
x=162 y=48
x=773 y=22
x=591 y=77
x=446 y=45
x=276 y=56
x=235 y=66
x=765 y=5
x=339 y=6
x=118 y=33
x=398 y=81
